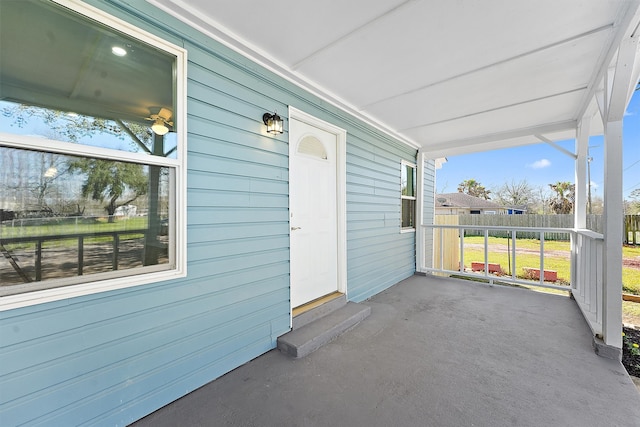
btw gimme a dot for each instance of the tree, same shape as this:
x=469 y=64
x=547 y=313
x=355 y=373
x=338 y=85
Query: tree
x=515 y=193
x=564 y=198
x=31 y=180
x=543 y=196
x=73 y=128
x=112 y=181
x=119 y=183
x=474 y=188
x=634 y=202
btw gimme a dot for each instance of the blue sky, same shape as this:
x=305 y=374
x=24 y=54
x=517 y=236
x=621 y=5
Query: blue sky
x=541 y=164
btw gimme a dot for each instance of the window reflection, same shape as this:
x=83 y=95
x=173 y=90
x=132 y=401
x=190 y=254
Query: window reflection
x=80 y=81
x=64 y=216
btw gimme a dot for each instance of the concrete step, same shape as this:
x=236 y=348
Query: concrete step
x=319 y=311
x=306 y=339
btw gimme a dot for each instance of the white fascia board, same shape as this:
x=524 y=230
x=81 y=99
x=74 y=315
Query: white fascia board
x=182 y=11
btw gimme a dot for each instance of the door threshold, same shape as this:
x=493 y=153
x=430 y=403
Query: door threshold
x=315 y=303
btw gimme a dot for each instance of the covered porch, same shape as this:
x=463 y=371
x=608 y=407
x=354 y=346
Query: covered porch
x=410 y=82
x=451 y=78
x=434 y=351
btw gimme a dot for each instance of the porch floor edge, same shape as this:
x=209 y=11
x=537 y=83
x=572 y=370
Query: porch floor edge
x=605 y=350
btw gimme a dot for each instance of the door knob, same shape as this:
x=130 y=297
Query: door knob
x=296 y=228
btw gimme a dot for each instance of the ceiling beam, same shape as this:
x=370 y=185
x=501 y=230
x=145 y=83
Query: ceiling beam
x=346 y=36
x=83 y=75
x=491 y=110
x=494 y=64
x=448 y=148
x=34 y=97
x=194 y=18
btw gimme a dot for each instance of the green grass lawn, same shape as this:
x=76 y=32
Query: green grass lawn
x=57 y=226
x=66 y=226
x=559 y=261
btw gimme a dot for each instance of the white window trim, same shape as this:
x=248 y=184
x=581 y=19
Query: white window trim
x=403 y=164
x=179 y=166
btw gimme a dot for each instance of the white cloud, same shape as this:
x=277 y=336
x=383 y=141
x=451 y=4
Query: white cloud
x=539 y=164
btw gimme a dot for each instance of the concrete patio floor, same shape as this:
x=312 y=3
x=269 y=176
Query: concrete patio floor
x=434 y=352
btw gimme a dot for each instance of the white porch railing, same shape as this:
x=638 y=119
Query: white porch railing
x=587 y=250
x=586 y=262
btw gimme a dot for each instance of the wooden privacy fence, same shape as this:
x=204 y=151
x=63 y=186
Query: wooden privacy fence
x=446 y=244
x=594 y=223
x=631 y=223
x=632 y=229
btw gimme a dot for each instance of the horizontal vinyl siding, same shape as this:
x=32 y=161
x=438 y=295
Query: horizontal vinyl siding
x=428 y=192
x=114 y=357
x=378 y=255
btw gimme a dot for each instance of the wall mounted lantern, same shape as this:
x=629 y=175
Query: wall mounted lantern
x=273 y=122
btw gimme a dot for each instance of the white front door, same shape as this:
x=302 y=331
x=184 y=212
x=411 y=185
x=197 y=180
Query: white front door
x=313 y=212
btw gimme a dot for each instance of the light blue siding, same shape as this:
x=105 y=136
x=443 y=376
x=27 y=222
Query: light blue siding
x=428 y=214
x=378 y=255
x=113 y=357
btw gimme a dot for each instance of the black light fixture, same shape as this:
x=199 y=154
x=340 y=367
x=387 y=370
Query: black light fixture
x=273 y=122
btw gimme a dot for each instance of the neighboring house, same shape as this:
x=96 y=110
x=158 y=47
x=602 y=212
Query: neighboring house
x=462 y=203
x=244 y=225
x=516 y=210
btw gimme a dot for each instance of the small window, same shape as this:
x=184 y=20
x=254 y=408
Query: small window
x=91 y=152
x=408 y=196
x=312 y=146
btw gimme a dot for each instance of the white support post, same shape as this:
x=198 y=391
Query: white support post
x=420 y=197
x=612 y=259
x=618 y=84
x=582 y=147
x=625 y=77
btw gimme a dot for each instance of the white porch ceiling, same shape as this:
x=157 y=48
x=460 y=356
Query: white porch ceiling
x=447 y=76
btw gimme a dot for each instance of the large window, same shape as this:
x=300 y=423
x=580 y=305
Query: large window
x=408 y=196
x=91 y=152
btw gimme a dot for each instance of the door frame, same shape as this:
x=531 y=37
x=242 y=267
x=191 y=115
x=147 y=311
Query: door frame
x=341 y=189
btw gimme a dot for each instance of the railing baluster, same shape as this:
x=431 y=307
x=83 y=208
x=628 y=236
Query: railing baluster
x=486 y=253
x=80 y=254
x=599 y=280
x=39 y=241
x=513 y=255
x=116 y=244
x=541 y=269
x=572 y=259
x=38 y=260
x=441 y=234
x=461 y=238
x=586 y=275
x=589 y=274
